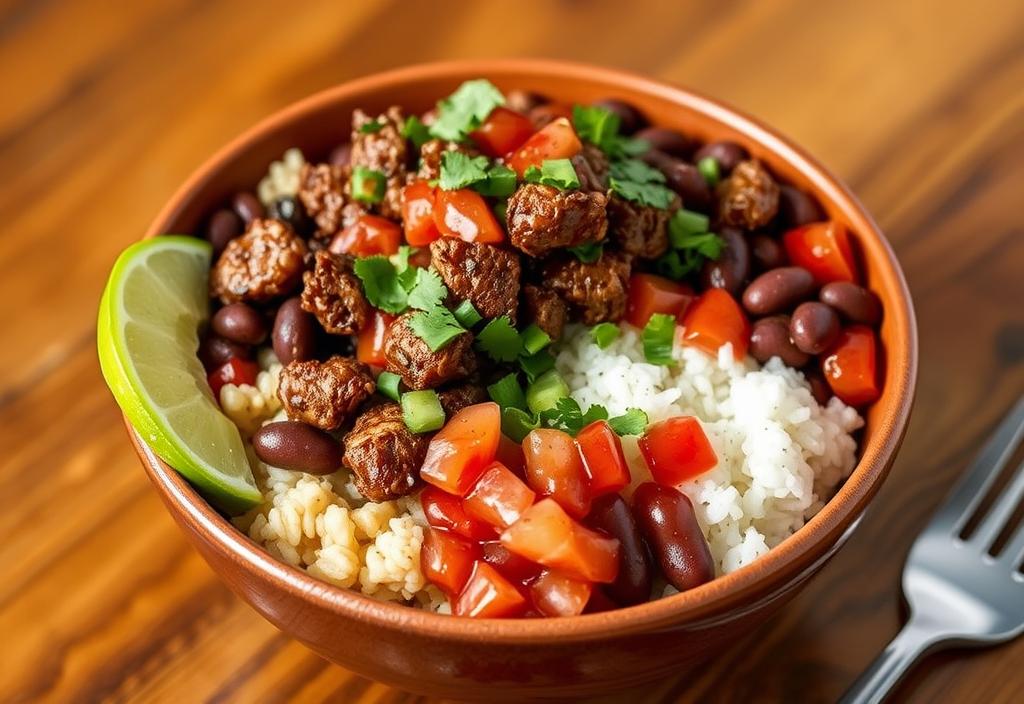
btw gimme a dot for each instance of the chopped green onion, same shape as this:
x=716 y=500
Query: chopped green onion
x=587 y=253
x=545 y=391
x=387 y=384
x=658 y=336
x=708 y=168
x=534 y=339
x=507 y=393
x=368 y=185
x=517 y=423
x=499 y=340
x=604 y=334
x=466 y=314
x=537 y=364
x=371 y=127
x=687 y=222
x=422 y=411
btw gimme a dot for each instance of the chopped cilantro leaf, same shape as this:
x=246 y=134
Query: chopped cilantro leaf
x=658 y=336
x=632 y=422
x=588 y=253
x=436 y=327
x=568 y=416
x=507 y=393
x=467 y=314
x=371 y=127
x=381 y=283
x=368 y=185
x=459 y=170
x=604 y=334
x=464 y=110
x=596 y=125
x=558 y=173
x=428 y=291
x=415 y=131
x=500 y=182
x=537 y=364
x=706 y=244
x=517 y=423
x=499 y=340
x=634 y=180
x=687 y=222
x=633 y=146
x=672 y=266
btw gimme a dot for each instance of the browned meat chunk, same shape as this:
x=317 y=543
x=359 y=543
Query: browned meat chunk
x=323 y=190
x=430 y=156
x=640 y=230
x=591 y=168
x=421 y=368
x=598 y=290
x=543 y=218
x=264 y=263
x=545 y=309
x=456 y=398
x=383 y=455
x=749 y=198
x=324 y=394
x=382 y=150
x=334 y=295
x=486 y=276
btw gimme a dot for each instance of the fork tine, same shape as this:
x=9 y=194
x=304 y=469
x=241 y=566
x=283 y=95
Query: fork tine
x=974 y=485
x=1001 y=511
x=1013 y=551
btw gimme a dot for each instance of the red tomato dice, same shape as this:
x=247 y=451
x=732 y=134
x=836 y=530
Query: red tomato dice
x=650 y=294
x=714 y=319
x=499 y=497
x=447 y=560
x=466 y=215
x=515 y=568
x=554 y=594
x=547 y=535
x=603 y=459
x=510 y=454
x=235 y=371
x=418 y=214
x=823 y=248
x=488 y=595
x=677 y=449
x=851 y=367
x=447 y=512
x=556 y=140
x=462 y=449
x=502 y=131
x=370 y=341
x=369 y=235
x=554 y=468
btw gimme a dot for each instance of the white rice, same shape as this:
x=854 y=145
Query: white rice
x=780 y=454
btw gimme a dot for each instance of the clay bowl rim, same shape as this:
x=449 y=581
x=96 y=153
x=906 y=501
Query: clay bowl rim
x=777 y=569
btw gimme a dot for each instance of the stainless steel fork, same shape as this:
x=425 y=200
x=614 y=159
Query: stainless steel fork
x=958 y=592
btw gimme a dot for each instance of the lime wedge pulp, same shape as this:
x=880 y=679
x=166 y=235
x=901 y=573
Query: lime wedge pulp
x=147 y=336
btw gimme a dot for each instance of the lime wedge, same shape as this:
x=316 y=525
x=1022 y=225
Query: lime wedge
x=147 y=336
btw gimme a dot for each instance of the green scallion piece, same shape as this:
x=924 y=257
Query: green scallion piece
x=687 y=222
x=658 y=337
x=537 y=364
x=422 y=411
x=545 y=391
x=467 y=314
x=507 y=393
x=368 y=185
x=516 y=423
x=534 y=339
x=708 y=168
x=387 y=384
x=604 y=334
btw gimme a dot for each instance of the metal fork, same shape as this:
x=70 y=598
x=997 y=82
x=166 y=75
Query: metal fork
x=958 y=593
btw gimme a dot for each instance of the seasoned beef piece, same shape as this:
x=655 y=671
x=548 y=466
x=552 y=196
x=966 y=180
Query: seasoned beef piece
x=324 y=394
x=640 y=230
x=382 y=454
x=264 y=263
x=592 y=168
x=543 y=307
x=543 y=218
x=430 y=156
x=598 y=290
x=334 y=295
x=486 y=276
x=323 y=190
x=384 y=151
x=420 y=368
x=456 y=398
x=749 y=198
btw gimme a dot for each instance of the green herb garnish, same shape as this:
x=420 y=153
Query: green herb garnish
x=381 y=283
x=428 y=291
x=567 y=415
x=387 y=384
x=516 y=423
x=587 y=253
x=636 y=181
x=709 y=169
x=658 y=336
x=465 y=109
x=500 y=182
x=545 y=392
x=687 y=222
x=601 y=128
x=499 y=340
x=604 y=334
x=371 y=127
x=536 y=364
x=559 y=173
x=459 y=170
x=632 y=422
x=415 y=131
x=422 y=411
x=507 y=393
x=368 y=185
x=467 y=314
x=534 y=339
x=436 y=327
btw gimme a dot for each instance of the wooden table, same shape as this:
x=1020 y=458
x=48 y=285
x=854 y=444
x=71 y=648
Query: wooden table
x=919 y=106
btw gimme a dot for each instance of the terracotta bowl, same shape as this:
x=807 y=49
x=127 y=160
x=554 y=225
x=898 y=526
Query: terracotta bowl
x=516 y=659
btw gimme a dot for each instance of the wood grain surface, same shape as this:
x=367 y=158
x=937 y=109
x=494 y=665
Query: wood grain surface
x=107 y=107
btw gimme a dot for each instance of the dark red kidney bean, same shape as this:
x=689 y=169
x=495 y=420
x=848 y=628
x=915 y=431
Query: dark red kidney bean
x=298 y=447
x=667 y=141
x=778 y=290
x=667 y=521
x=214 y=351
x=294 y=335
x=247 y=206
x=767 y=253
x=224 y=226
x=600 y=601
x=820 y=389
x=726 y=153
x=856 y=303
x=610 y=514
x=814 y=327
x=683 y=178
x=731 y=269
x=523 y=100
x=770 y=338
x=796 y=208
x=630 y=119
x=341 y=155
x=241 y=323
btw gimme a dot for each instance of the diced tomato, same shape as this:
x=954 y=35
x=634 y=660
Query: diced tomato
x=370 y=342
x=369 y=235
x=851 y=367
x=714 y=319
x=546 y=534
x=447 y=560
x=447 y=512
x=510 y=454
x=676 y=449
x=488 y=595
x=466 y=215
x=603 y=459
x=462 y=449
x=418 y=214
x=514 y=568
x=554 y=594
x=650 y=294
x=556 y=140
x=499 y=497
x=502 y=131
x=823 y=248
x=554 y=468
x=235 y=371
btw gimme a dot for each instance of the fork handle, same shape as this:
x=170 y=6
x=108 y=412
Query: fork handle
x=909 y=645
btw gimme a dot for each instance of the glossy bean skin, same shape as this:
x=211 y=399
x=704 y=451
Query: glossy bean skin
x=294 y=335
x=341 y=155
x=290 y=210
x=778 y=290
x=732 y=268
x=224 y=226
x=726 y=153
x=214 y=351
x=683 y=178
x=247 y=206
x=820 y=389
x=630 y=119
x=667 y=141
x=610 y=514
x=796 y=208
x=767 y=252
x=239 y=322
x=814 y=327
x=855 y=303
x=297 y=447
x=769 y=338
x=667 y=521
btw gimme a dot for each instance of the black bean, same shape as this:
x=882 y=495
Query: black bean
x=770 y=338
x=778 y=290
x=731 y=269
x=727 y=154
x=796 y=208
x=683 y=178
x=856 y=303
x=667 y=141
x=247 y=206
x=667 y=521
x=767 y=252
x=297 y=447
x=341 y=155
x=294 y=333
x=239 y=322
x=610 y=514
x=214 y=351
x=814 y=327
x=630 y=119
x=223 y=227
x=290 y=210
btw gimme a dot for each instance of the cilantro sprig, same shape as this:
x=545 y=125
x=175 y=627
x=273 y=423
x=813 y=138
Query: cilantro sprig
x=635 y=180
x=465 y=109
x=567 y=415
x=559 y=173
x=692 y=245
x=460 y=170
x=601 y=128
